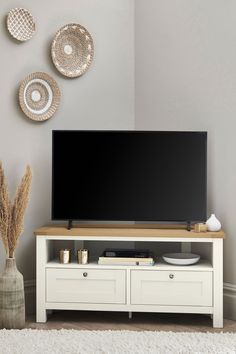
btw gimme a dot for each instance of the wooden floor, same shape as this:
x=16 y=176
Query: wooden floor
x=85 y=320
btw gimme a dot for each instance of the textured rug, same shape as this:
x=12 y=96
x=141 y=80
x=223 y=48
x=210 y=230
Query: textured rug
x=30 y=341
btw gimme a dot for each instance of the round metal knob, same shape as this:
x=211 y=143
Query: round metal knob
x=171 y=276
x=85 y=274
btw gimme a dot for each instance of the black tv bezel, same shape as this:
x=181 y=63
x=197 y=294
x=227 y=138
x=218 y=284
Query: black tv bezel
x=128 y=220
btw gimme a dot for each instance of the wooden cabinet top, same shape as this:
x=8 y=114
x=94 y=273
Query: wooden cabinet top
x=134 y=230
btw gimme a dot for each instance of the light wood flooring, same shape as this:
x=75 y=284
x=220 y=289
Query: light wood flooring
x=86 y=320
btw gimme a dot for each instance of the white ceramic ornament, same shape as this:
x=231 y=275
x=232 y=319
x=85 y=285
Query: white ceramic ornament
x=213 y=224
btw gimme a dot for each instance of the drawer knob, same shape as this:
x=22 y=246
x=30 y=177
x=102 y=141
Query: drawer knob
x=171 y=276
x=85 y=274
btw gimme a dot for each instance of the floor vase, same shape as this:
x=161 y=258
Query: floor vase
x=12 y=297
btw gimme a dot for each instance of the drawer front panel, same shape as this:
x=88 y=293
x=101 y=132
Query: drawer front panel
x=86 y=286
x=171 y=288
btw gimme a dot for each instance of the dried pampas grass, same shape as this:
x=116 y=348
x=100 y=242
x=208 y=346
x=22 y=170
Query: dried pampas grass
x=12 y=214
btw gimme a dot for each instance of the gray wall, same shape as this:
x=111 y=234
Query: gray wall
x=185 y=80
x=101 y=99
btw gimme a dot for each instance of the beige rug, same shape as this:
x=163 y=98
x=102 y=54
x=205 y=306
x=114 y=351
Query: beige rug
x=29 y=341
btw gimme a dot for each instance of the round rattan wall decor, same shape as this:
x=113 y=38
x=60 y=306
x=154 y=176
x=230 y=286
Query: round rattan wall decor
x=20 y=24
x=39 y=96
x=72 y=50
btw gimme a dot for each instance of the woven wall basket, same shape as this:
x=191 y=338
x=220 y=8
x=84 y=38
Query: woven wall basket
x=39 y=96
x=20 y=24
x=72 y=50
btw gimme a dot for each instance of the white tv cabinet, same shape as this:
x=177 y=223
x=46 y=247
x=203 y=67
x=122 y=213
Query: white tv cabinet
x=159 y=288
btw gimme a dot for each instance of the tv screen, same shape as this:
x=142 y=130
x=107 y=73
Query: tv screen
x=157 y=176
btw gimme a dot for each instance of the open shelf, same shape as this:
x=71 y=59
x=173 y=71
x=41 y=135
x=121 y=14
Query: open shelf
x=202 y=265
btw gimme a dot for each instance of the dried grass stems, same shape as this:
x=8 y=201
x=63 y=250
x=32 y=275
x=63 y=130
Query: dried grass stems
x=12 y=214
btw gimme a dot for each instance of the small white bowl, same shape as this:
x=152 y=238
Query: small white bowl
x=181 y=258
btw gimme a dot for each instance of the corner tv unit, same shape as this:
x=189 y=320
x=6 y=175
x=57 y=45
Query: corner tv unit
x=160 y=288
x=142 y=176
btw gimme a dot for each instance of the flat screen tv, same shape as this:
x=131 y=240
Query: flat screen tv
x=149 y=176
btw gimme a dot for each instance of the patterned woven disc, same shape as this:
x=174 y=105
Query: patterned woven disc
x=20 y=24
x=39 y=96
x=72 y=50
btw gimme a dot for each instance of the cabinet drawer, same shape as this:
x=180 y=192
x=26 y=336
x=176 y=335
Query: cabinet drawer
x=171 y=288
x=86 y=286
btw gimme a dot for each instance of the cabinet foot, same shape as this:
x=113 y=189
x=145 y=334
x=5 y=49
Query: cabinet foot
x=130 y=315
x=217 y=321
x=41 y=316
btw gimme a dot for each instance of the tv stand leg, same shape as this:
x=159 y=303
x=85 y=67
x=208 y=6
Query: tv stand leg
x=41 y=316
x=218 y=283
x=41 y=260
x=69 y=226
x=189 y=225
x=218 y=320
x=130 y=315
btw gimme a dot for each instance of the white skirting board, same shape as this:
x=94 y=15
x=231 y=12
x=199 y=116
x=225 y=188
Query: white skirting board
x=229 y=299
